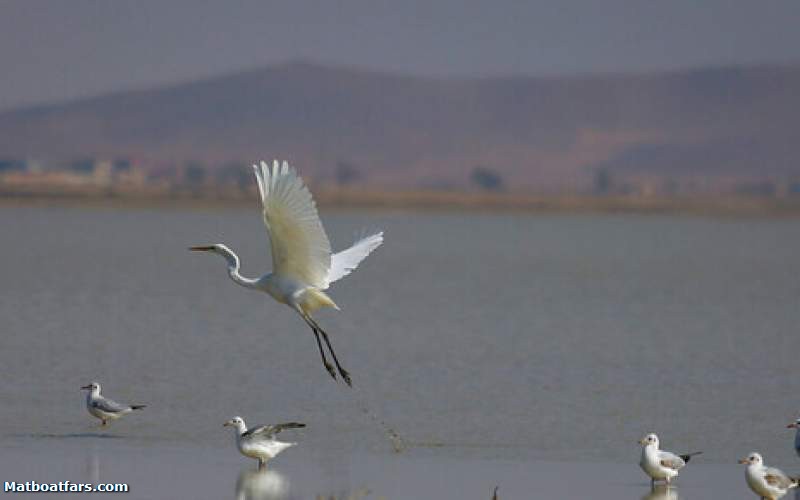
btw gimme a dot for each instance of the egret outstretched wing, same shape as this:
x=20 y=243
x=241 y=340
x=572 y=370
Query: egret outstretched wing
x=300 y=247
x=344 y=262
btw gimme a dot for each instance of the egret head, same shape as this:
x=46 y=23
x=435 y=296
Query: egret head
x=650 y=439
x=752 y=459
x=94 y=387
x=237 y=422
x=218 y=248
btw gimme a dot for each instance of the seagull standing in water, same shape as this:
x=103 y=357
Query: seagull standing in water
x=661 y=465
x=259 y=442
x=302 y=264
x=796 y=425
x=103 y=408
x=766 y=482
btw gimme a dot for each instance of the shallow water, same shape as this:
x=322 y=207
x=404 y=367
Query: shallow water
x=201 y=472
x=495 y=345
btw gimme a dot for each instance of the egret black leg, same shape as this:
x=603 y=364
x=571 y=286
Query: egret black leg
x=325 y=362
x=344 y=373
x=317 y=331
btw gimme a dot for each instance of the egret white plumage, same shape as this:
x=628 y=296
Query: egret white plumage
x=302 y=264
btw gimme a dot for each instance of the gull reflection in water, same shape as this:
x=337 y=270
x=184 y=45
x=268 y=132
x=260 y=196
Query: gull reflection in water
x=357 y=495
x=263 y=484
x=93 y=466
x=661 y=492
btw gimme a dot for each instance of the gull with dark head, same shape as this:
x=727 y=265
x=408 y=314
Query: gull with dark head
x=302 y=264
x=661 y=465
x=259 y=442
x=104 y=408
x=766 y=482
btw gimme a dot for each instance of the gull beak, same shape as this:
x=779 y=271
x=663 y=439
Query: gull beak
x=86 y=387
x=641 y=441
x=793 y=425
x=202 y=248
x=744 y=461
x=227 y=424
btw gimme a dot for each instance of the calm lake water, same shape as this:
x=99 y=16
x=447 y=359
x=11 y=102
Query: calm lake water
x=529 y=352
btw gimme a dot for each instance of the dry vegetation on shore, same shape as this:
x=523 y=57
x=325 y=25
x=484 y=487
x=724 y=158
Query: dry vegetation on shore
x=435 y=201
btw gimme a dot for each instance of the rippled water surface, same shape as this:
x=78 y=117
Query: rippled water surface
x=509 y=350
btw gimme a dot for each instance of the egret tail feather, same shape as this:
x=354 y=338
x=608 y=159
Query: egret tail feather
x=314 y=299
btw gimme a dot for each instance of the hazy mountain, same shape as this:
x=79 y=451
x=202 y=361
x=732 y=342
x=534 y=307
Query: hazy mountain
x=403 y=131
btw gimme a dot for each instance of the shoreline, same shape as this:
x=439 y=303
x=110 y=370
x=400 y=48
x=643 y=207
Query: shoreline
x=434 y=201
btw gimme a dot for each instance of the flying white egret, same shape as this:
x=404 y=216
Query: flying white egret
x=103 y=408
x=302 y=264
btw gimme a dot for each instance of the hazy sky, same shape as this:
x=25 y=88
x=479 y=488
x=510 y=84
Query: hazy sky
x=51 y=50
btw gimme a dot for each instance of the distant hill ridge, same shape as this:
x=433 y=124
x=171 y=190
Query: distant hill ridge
x=395 y=130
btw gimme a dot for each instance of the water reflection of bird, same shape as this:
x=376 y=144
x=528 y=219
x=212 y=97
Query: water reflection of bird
x=261 y=484
x=359 y=494
x=93 y=466
x=302 y=264
x=661 y=492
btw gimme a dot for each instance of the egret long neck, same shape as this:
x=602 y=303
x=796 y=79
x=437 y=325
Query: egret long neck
x=233 y=269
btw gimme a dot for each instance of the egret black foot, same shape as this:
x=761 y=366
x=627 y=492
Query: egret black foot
x=346 y=376
x=330 y=369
